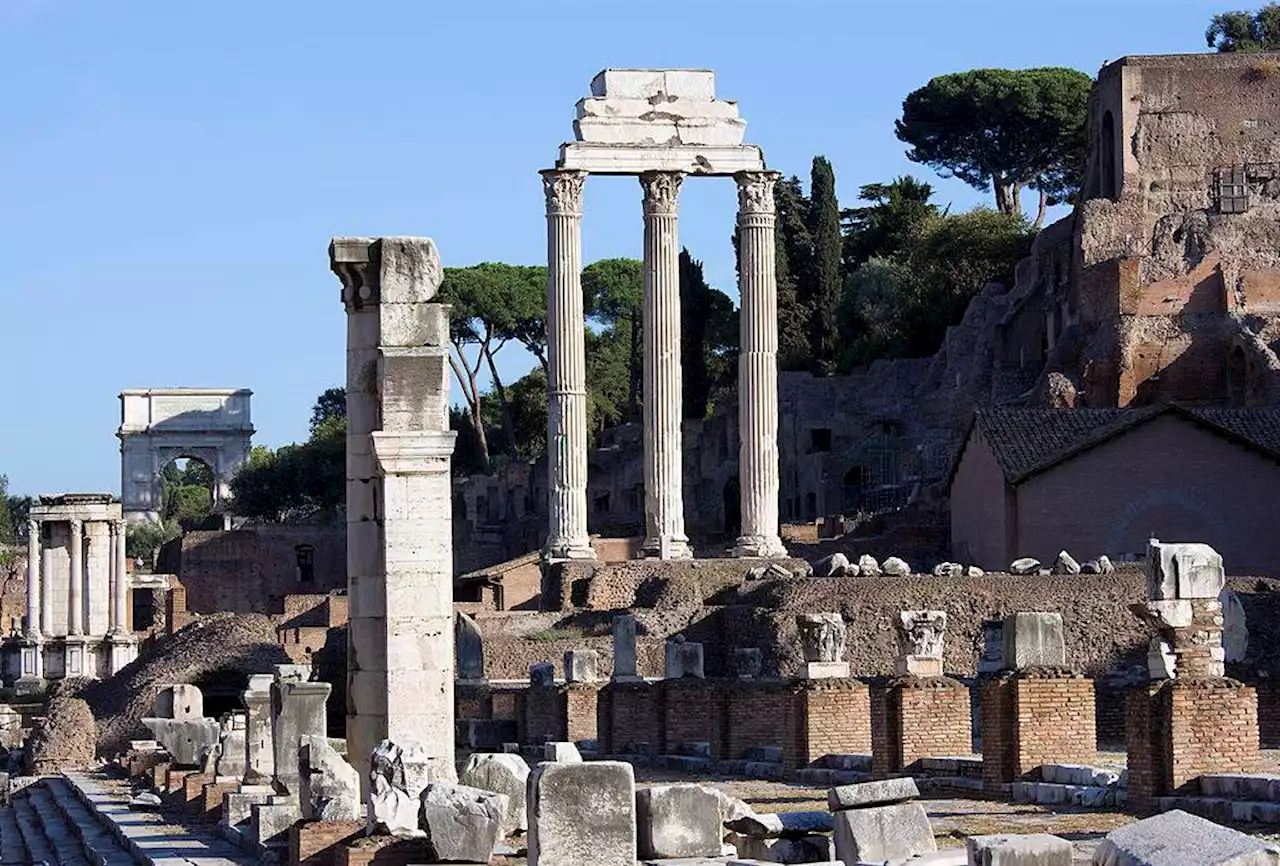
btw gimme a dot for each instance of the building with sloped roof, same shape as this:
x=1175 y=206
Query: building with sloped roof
x=1032 y=482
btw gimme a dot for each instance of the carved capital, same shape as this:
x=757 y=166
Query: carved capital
x=822 y=636
x=755 y=192
x=354 y=261
x=920 y=633
x=563 y=188
x=661 y=191
x=33 y=527
x=77 y=526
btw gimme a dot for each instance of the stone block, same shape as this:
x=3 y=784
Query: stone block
x=895 y=567
x=1025 y=565
x=678 y=821
x=462 y=823
x=626 y=131
x=747 y=663
x=542 y=675
x=271 y=821
x=697 y=85
x=808 y=849
x=668 y=109
x=825 y=670
x=917 y=666
x=502 y=774
x=180 y=701
x=714 y=131
x=1183 y=571
x=624 y=647
x=771 y=825
x=683 y=659
x=186 y=740
x=876 y=793
x=582 y=813
x=1038 y=849
x=561 y=753
x=822 y=636
x=468 y=645
x=329 y=786
x=705 y=160
x=883 y=833
x=398 y=773
x=1178 y=838
x=580 y=665
x=1033 y=640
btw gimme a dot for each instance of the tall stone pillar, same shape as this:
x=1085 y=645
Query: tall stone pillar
x=46 y=598
x=566 y=368
x=33 y=579
x=120 y=586
x=399 y=502
x=758 y=366
x=75 y=597
x=663 y=452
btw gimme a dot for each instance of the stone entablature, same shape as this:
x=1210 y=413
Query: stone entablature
x=77 y=585
x=159 y=425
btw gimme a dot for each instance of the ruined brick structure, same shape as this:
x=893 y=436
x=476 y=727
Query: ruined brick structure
x=253 y=569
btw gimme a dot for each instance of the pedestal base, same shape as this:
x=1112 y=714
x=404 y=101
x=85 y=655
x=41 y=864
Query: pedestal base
x=76 y=657
x=562 y=549
x=123 y=651
x=825 y=670
x=759 y=547
x=666 y=548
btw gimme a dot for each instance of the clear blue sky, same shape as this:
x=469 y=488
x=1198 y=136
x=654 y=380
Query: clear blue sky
x=171 y=172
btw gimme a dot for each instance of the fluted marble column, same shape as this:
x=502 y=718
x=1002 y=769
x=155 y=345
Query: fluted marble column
x=758 y=366
x=120 y=581
x=33 y=578
x=663 y=496
x=75 y=600
x=566 y=369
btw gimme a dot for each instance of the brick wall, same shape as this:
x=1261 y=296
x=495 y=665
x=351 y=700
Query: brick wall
x=760 y=713
x=918 y=717
x=635 y=715
x=211 y=798
x=544 y=715
x=833 y=717
x=580 y=701
x=1054 y=718
x=694 y=711
x=315 y=843
x=1268 y=713
x=1180 y=730
x=253 y=570
x=1109 y=698
x=999 y=746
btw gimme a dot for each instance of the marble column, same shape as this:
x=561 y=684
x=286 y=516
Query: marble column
x=46 y=597
x=663 y=453
x=758 y=366
x=33 y=579
x=120 y=584
x=566 y=368
x=75 y=598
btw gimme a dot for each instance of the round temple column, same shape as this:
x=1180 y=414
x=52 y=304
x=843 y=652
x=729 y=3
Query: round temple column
x=33 y=578
x=663 y=455
x=758 y=366
x=120 y=584
x=566 y=369
x=75 y=600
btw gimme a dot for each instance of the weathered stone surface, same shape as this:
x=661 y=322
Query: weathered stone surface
x=678 y=821
x=747 y=662
x=822 y=636
x=771 y=825
x=1038 y=849
x=895 y=567
x=1034 y=640
x=561 y=753
x=624 y=647
x=582 y=813
x=1178 y=838
x=179 y=701
x=398 y=773
x=1105 y=565
x=973 y=571
x=684 y=659
x=920 y=642
x=462 y=823
x=187 y=740
x=269 y=822
x=580 y=665
x=330 y=786
x=1065 y=564
x=875 y=793
x=1025 y=565
x=868 y=566
x=834 y=565
x=811 y=849
x=297 y=710
x=468 y=645
x=883 y=833
x=542 y=674
x=948 y=569
x=1090 y=567
x=1235 y=627
x=1183 y=571
x=501 y=774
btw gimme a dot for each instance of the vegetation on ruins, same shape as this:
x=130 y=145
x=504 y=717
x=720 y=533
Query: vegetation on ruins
x=1007 y=129
x=13 y=514
x=613 y=296
x=1245 y=31
x=824 y=224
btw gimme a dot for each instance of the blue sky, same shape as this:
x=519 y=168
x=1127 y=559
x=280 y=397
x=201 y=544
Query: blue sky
x=171 y=172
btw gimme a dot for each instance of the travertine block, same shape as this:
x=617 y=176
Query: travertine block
x=883 y=834
x=624 y=647
x=1038 y=849
x=580 y=666
x=582 y=813
x=1183 y=571
x=627 y=131
x=678 y=821
x=1034 y=640
x=1176 y=838
x=656 y=109
x=502 y=774
x=462 y=824
x=878 y=793
x=691 y=84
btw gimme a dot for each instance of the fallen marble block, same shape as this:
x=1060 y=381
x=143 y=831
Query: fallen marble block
x=876 y=793
x=562 y=753
x=678 y=821
x=187 y=740
x=582 y=813
x=773 y=825
x=1179 y=838
x=1039 y=849
x=502 y=774
x=462 y=823
x=883 y=833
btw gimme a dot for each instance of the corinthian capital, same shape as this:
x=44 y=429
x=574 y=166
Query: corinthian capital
x=755 y=192
x=563 y=188
x=661 y=191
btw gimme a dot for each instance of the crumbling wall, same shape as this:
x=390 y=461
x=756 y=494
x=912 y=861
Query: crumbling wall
x=64 y=738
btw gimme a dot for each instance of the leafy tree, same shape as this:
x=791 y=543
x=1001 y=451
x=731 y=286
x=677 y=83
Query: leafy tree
x=608 y=391
x=794 y=266
x=613 y=294
x=331 y=404
x=875 y=311
x=143 y=540
x=891 y=224
x=824 y=226
x=493 y=304
x=1245 y=31
x=708 y=337
x=1007 y=128
x=8 y=528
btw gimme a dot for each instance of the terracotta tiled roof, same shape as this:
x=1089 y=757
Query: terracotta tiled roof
x=1028 y=441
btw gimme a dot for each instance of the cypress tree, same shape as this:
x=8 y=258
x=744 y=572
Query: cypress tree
x=824 y=228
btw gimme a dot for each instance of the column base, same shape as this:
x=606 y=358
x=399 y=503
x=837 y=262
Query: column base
x=666 y=548
x=31 y=666
x=77 y=657
x=123 y=650
x=560 y=549
x=759 y=547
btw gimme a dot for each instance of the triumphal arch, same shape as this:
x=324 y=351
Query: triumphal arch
x=159 y=425
x=661 y=125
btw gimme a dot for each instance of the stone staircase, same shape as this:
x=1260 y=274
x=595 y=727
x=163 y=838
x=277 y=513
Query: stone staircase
x=84 y=819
